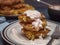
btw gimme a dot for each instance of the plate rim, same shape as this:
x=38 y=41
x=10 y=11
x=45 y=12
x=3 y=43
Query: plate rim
x=2 y=34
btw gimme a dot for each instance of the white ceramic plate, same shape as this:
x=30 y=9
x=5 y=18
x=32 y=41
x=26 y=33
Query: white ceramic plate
x=13 y=33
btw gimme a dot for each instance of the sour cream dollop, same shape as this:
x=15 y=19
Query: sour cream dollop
x=34 y=14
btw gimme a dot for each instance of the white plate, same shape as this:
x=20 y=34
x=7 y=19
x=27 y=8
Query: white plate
x=13 y=33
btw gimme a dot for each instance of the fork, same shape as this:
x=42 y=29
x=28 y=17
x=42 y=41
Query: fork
x=55 y=35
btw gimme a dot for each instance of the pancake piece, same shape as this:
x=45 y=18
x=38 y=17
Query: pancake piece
x=13 y=7
x=34 y=24
x=10 y=2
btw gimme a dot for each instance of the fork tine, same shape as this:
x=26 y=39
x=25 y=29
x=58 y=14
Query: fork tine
x=56 y=33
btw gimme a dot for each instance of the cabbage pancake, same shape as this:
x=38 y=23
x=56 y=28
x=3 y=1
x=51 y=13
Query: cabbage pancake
x=34 y=24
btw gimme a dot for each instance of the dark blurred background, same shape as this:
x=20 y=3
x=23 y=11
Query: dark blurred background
x=41 y=7
x=36 y=4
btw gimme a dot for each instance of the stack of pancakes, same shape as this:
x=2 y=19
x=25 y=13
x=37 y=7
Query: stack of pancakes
x=34 y=24
x=13 y=7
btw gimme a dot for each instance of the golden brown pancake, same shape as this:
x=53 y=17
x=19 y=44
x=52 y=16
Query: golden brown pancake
x=10 y=2
x=29 y=30
x=14 y=9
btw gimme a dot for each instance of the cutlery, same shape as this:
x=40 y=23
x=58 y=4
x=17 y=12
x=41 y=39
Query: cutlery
x=55 y=35
x=43 y=2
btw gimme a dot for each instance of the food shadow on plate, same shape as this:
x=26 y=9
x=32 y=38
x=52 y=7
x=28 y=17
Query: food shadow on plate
x=11 y=17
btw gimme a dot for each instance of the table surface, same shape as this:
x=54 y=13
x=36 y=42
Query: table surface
x=7 y=22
